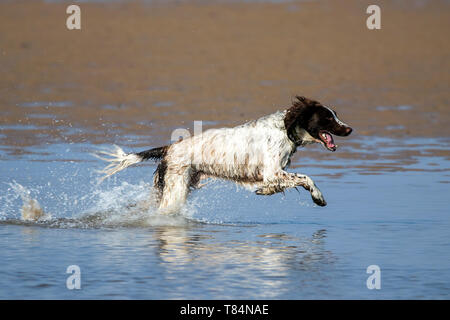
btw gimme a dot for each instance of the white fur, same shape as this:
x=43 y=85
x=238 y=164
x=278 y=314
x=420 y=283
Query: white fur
x=336 y=118
x=254 y=155
x=118 y=159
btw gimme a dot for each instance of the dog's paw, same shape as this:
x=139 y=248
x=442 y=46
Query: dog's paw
x=320 y=202
x=265 y=191
x=318 y=198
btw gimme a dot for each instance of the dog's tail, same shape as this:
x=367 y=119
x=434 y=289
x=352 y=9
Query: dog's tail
x=120 y=160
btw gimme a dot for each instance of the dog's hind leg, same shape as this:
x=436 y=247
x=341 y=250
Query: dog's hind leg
x=284 y=180
x=175 y=189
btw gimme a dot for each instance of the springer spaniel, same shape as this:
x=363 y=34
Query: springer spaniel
x=253 y=154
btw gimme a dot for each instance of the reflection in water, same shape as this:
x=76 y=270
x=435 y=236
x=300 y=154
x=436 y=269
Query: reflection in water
x=201 y=260
x=263 y=265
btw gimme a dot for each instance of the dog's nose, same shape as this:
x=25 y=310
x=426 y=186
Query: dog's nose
x=348 y=131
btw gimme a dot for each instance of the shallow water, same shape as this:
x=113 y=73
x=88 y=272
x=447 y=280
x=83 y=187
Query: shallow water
x=228 y=242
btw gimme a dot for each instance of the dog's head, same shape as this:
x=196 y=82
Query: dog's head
x=309 y=121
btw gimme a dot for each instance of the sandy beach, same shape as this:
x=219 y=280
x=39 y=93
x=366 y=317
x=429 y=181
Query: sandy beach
x=142 y=69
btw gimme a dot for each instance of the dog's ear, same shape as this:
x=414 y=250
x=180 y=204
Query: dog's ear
x=299 y=113
x=301 y=99
x=294 y=114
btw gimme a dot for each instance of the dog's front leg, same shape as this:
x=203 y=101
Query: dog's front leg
x=284 y=180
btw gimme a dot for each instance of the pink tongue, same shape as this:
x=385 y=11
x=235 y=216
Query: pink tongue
x=330 y=142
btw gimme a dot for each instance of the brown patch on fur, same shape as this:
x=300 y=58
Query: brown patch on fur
x=154 y=154
x=297 y=113
x=160 y=173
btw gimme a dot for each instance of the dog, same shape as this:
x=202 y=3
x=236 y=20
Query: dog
x=254 y=154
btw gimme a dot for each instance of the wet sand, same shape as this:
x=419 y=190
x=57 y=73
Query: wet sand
x=142 y=70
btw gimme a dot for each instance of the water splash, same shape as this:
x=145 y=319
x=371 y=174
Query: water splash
x=124 y=205
x=31 y=209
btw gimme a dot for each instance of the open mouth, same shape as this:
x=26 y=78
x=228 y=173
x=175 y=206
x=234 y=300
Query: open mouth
x=327 y=140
